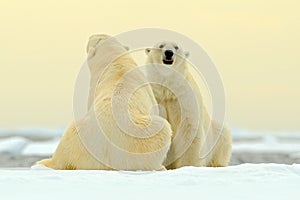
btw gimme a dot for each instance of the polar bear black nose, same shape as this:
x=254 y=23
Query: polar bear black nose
x=169 y=53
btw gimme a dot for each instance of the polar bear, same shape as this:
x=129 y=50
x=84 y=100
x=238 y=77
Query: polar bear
x=211 y=143
x=99 y=140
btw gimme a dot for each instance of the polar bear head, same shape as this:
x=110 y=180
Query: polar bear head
x=101 y=50
x=96 y=40
x=166 y=53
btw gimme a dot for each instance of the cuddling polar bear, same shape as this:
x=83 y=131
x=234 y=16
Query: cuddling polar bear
x=211 y=143
x=106 y=138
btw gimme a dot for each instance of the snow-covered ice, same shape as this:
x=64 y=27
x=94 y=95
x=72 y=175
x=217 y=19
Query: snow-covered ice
x=246 y=181
x=263 y=147
x=244 y=141
x=13 y=145
x=41 y=148
x=36 y=133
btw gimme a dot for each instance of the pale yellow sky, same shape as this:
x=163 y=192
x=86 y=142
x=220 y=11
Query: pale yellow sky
x=254 y=44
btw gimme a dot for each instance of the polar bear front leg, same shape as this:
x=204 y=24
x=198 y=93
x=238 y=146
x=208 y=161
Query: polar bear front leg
x=185 y=147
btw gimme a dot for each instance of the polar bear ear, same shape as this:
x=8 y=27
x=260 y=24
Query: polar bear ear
x=186 y=54
x=90 y=48
x=93 y=41
x=147 y=51
x=126 y=47
x=91 y=52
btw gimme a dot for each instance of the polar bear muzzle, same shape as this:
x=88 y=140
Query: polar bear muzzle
x=168 y=57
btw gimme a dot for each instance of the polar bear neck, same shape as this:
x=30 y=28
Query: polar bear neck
x=164 y=77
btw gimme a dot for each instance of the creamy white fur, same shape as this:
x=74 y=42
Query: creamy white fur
x=84 y=146
x=208 y=147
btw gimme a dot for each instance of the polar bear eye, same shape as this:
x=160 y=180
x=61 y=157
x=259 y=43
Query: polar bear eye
x=176 y=47
x=161 y=46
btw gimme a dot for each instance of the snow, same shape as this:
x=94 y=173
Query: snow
x=244 y=134
x=246 y=181
x=263 y=147
x=13 y=145
x=22 y=146
x=295 y=155
x=265 y=142
x=41 y=148
x=244 y=141
x=40 y=167
x=37 y=133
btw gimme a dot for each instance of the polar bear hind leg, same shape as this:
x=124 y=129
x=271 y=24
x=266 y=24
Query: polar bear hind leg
x=221 y=152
